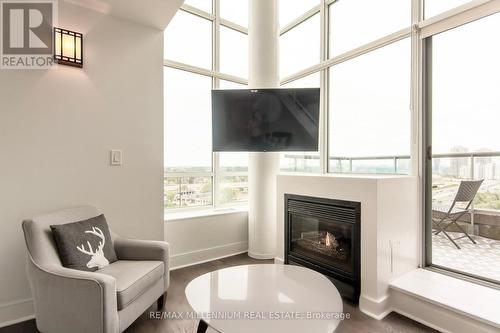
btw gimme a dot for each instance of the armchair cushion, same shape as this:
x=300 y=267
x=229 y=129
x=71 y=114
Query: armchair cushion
x=133 y=278
x=85 y=245
x=135 y=249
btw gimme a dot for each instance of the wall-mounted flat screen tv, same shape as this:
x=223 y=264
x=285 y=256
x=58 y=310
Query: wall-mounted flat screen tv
x=265 y=120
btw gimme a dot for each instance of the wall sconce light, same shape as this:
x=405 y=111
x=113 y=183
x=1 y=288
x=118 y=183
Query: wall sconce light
x=68 y=47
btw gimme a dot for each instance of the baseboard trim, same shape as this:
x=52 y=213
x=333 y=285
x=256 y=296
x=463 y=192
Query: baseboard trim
x=376 y=309
x=261 y=255
x=279 y=261
x=191 y=258
x=15 y=312
x=16 y=321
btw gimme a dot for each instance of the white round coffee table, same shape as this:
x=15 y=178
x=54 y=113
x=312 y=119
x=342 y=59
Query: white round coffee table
x=266 y=298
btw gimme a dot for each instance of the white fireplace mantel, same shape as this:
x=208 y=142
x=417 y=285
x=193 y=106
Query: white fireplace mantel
x=390 y=230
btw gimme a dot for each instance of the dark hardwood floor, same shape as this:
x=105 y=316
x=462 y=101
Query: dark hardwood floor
x=176 y=301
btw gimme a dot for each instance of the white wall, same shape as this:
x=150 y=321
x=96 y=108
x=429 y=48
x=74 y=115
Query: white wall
x=56 y=130
x=201 y=239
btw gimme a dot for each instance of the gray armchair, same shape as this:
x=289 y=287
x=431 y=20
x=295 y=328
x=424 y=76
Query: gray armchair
x=105 y=301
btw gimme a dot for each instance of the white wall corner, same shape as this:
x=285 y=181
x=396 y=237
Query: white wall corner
x=397 y=231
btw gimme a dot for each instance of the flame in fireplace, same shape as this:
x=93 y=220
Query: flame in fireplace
x=327 y=239
x=323 y=239
x=330 y=240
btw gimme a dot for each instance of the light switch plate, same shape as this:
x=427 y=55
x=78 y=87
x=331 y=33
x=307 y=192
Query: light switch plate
x=116 y=157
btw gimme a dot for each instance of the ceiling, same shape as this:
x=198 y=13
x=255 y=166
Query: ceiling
x=153 y=13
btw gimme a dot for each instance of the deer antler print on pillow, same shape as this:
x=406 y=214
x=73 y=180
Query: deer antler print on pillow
x=97 y=258
x=85 y=245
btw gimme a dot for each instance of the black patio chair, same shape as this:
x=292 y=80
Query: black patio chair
x=465 y=194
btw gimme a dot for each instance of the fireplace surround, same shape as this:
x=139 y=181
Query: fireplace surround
x=390 y=226
x=324 y=235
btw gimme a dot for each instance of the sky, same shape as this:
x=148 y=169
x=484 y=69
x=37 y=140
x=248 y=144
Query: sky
x=466 y=87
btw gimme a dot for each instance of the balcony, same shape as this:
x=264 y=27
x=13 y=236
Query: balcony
x=483 y=223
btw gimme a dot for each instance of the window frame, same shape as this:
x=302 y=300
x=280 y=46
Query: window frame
x=392 y=159
x=468 y=13
x=298 y=25
x=327 y=62
x=419 y=30
x=216 y=173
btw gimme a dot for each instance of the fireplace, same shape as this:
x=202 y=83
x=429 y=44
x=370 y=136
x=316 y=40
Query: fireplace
x=324 y=235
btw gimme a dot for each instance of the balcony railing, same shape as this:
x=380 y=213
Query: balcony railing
x=394 y=159
x=348 y=164
x=393 y=164
x=461 y=165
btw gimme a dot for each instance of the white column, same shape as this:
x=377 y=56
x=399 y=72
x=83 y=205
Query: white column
x=263 y=34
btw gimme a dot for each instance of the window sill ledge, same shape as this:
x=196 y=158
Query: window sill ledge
x=192 y=214
x=464 y=297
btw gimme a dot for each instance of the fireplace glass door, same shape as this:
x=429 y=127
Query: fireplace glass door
x=323 y=241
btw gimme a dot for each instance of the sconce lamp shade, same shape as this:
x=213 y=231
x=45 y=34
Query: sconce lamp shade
x=68 y=47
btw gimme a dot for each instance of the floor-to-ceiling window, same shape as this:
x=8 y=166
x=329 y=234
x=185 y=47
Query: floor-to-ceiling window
x=464 y=117
x=385 y=67
x=206 y=47
x=361 y=60
x=301 y=161
x=300 y=44
x=369 y=118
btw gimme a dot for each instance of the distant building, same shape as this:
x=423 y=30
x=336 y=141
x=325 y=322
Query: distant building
x=464 y=171
x=459 y=165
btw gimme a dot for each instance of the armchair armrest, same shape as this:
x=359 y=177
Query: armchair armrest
x=135 y=249
x=68 y=300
